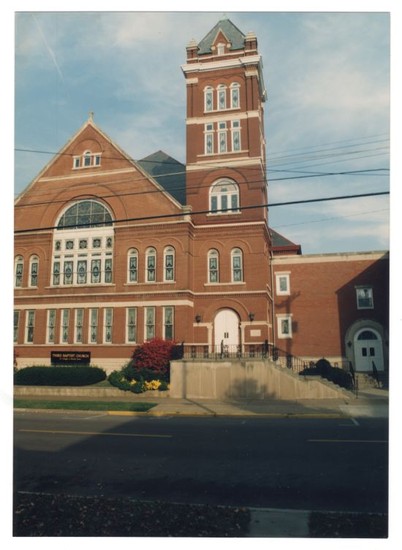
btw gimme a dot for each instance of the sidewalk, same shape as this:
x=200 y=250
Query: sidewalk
x=369 y=403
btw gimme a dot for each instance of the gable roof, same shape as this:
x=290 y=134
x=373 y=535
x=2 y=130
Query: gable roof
x=232 y=33
x=168 y=172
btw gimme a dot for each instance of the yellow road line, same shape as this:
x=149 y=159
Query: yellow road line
x=66 y=432
x=347 y=441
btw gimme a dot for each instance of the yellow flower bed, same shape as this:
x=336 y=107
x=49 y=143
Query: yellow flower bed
x=152 y=385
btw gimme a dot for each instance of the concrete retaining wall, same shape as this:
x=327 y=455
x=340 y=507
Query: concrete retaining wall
x=247 y=379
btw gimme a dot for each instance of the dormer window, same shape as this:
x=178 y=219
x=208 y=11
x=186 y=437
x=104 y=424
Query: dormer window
x=87 y=160
x=220 y=48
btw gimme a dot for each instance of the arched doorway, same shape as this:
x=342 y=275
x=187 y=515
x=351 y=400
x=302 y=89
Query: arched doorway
x=226 y=330
x=368 y=350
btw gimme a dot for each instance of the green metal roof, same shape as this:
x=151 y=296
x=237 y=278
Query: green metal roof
x=232 y=33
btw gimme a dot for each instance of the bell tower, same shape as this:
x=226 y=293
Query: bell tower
x=225 y=139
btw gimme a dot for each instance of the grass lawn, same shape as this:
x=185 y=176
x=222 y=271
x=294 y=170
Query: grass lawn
x=83 y=405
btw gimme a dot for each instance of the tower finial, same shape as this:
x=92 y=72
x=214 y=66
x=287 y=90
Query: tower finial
x=91 y=116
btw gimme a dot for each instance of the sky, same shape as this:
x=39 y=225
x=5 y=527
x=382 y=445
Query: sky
x=327 y=117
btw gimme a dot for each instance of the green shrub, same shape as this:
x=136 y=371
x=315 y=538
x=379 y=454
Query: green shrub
x=59 y=376
x=117 y=379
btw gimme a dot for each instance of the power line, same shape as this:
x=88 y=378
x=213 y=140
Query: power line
x=180 y=187
x=169 y=216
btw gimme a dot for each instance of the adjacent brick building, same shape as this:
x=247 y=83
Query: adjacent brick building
x=110 y=252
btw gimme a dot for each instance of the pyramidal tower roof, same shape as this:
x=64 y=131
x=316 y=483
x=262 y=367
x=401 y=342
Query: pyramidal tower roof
x=232 y=33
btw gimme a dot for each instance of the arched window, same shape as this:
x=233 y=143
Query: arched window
x=208 y=98
x=235 y=95
x=33 y=270
x=132 y=276
x=150 y=259
x=213 y=266
x=237 y=265
x=83 y=245
x=18 y=271
x=87 y=157
x=221 y=97
x=86 y=213
x=224 y=197
x=168 y=262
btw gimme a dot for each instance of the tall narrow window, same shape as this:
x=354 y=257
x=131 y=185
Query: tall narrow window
x=19 y=271
x=96 y=271
x=213 y=266
x=284 y=324
x=236 y=143
x=87 y=158
x=133 y=266
x=79 y=322
x=16 y=325
x=235 y=95
x=168 y=318
x=68 y=272
x=221 y=97
x=107 y=325
x=237 y=265
x=93 y=326
x=33 y=270
x=169 y=263
x=29 y=326
x=222 y=137
x=209 y=139
x=56 y=272
x=282 y=283
x=150 y=275
x=108 y=270
x=149 y=323
x=208 y=99
x=51 y=324
x=65 y=320
x=131 y=324
x=82 y=272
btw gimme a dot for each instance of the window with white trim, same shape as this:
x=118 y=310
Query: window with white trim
x=107 y=325
x=169 y=261
x=33 y=271
x=221 y=97
x=208 y=98
x=237 y=265
x=18 y=271
x=209 y=138
x=83 y=246
x=149 y=323
x=222 y=137
x=78 y=326
x=235 y=95
x=168 y=322
x=364 y=297
x=87 y=160
x=64 y=325
x=150 y=261
x=282 y=283
x=93 y=326
x=16 y=325
x=236 y=139
x=132 y=276
x=51 y=326
x=284 y=325
x=224 y=197
x=220 y=48
x=131 y=319
x=29 y=326
x=213 y=266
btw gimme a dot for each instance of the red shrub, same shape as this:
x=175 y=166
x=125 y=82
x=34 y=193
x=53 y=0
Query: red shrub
x=154 y=355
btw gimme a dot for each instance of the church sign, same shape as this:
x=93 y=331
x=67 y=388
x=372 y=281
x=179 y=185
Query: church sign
x=70 y=357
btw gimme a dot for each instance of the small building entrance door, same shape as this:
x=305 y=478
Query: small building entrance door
x=368 y=350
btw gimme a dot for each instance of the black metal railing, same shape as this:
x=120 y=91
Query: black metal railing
x=262 y=350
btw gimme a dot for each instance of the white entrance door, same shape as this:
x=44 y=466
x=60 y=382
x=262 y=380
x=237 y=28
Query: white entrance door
x=368 y=349
x=226 y=328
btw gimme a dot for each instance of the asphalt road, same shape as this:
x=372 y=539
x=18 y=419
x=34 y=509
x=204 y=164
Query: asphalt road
x=316 y=464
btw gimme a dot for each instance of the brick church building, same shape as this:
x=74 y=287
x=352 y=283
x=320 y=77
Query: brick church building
x=111 y=252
